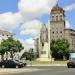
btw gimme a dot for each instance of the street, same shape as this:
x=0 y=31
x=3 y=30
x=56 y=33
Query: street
x=48 y=71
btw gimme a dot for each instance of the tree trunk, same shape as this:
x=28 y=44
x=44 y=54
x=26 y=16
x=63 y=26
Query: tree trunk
x=2 y=57
x=6 y=55
x=11 y=55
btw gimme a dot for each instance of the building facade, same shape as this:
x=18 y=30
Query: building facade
x=56 y=30
x=5 y=34
x=57 y=23
x=57 y=27
x=70 y=36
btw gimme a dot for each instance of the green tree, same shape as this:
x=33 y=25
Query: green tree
x=28 y=55
x=2 y=52
x=60 y=48
x=11 y=45
x=4 y=45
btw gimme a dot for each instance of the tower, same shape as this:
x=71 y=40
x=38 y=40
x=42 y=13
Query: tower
x=57 y=23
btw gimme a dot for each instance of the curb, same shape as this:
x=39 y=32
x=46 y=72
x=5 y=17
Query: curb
x=48 y=65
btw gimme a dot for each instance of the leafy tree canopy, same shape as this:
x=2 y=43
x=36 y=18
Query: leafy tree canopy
x=59 y=48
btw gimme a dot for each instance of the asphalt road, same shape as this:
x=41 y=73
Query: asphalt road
x=49 y=71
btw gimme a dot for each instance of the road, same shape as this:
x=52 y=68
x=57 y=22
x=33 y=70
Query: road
x=49 y=71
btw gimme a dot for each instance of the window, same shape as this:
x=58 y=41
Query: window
x=53 y=32
x=42 y=44
x=60 y=31
x=52 y=17
x=56 y=18
x=60 y=17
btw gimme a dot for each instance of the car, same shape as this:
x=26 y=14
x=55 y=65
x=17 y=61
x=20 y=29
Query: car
x=71 y=63
x=21 y=62
x=11 y=64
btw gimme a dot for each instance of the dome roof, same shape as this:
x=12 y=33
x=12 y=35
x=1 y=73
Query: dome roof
x=57 y=8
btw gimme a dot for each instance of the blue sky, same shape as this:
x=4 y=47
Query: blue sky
x=8 y=5
x=70 y=15
x=12 y=6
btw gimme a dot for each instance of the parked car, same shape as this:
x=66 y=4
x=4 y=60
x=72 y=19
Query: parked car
x=11 y=64
x=71 y=63
x=24 y=64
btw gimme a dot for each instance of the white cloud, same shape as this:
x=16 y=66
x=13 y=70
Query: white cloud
x=23 y=42
x=68 y=24
x=28 y=10
x=29 y=43
x=10 y=20
x=31 y=28
x=34 y=8
x=70 y=7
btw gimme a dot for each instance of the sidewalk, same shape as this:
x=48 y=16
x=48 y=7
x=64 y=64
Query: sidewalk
x=47 y=65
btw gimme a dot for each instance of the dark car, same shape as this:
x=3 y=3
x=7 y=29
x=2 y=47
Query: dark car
x=24 y=64
x=71 y=63
x=11 y=64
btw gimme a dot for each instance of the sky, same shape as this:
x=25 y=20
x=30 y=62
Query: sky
x=25 y=17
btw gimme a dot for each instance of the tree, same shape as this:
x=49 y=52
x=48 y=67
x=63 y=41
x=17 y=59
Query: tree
x=2 y=52
x=11 y=45
x=60 y=48
x=5 y=47
x=29 y=55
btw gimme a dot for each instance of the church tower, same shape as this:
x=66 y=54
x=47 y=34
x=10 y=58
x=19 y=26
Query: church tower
x=57 y=23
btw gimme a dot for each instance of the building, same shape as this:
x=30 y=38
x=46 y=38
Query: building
x=70 y=36
x=55 y=30
x=57 y=23
x=5 y=34
x=57 y=27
